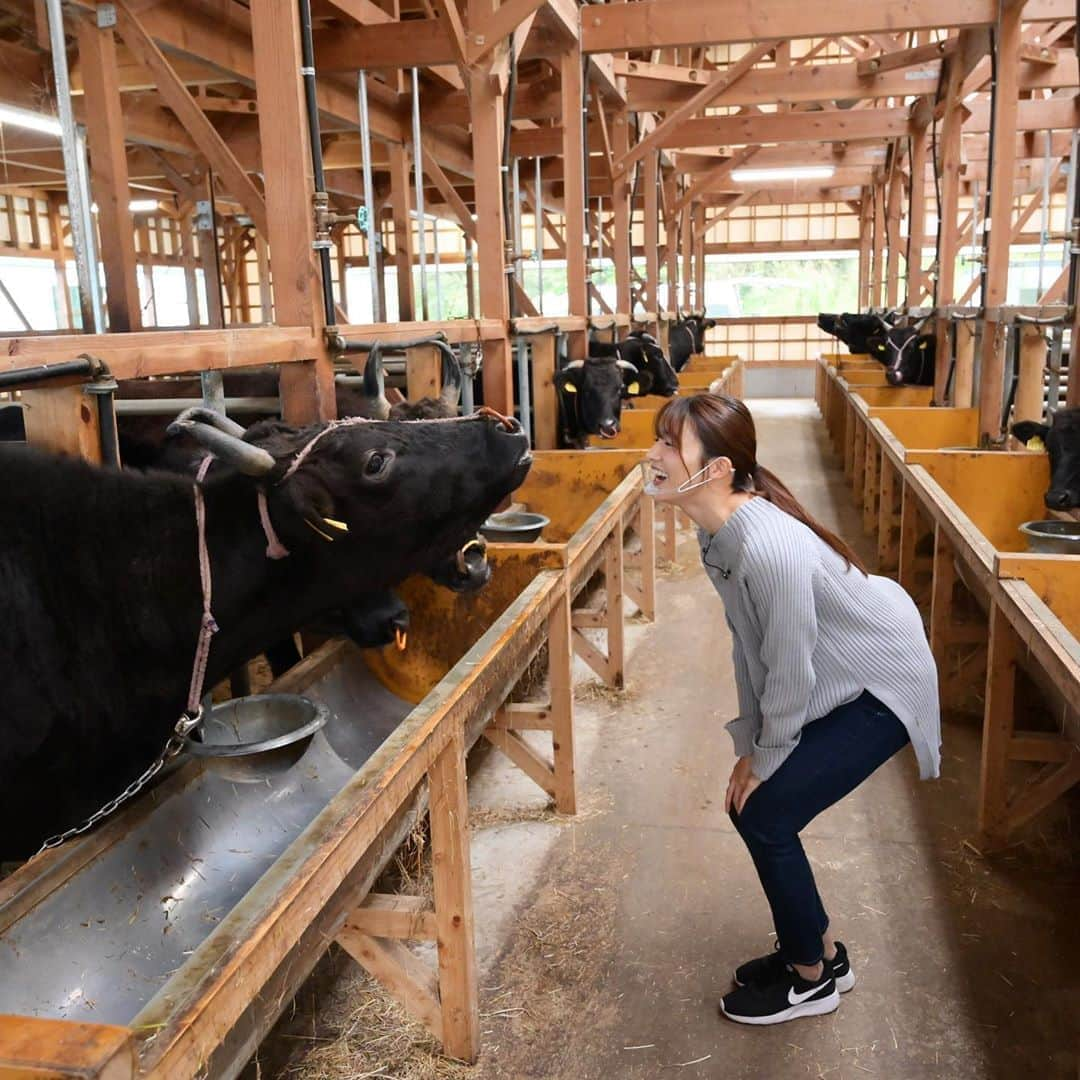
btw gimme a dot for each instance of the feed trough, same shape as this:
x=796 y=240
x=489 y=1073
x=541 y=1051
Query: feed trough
x=514 y=527
x=1052 y=537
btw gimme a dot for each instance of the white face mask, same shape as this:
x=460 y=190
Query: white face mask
x=689 y=484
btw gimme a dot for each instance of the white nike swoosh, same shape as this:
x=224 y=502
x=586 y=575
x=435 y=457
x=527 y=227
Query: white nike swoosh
x=798 y=999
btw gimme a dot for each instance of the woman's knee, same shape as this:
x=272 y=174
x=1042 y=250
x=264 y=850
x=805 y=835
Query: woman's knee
x=757 y=822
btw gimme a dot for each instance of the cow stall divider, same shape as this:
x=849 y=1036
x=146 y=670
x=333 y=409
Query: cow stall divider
x=179 y=930
x=947 y=518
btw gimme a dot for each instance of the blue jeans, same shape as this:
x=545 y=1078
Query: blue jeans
x=835 y=754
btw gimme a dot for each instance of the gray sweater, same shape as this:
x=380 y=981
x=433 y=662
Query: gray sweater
x=810 y=635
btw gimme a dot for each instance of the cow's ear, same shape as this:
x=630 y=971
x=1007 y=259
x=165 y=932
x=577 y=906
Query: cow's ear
x=1027 y=430
x=568 y=380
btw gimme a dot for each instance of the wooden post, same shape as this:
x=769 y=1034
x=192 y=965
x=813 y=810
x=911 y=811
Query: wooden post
x=544 y=399
x=877 y=257
x=452 y=875
x=941 y=610
x=892 y=227
x=671 y=228
x=1029 y=390
x=613 y=589
x=63 y=419
x=577 y=237
x=699 y=255
x=620 y=205
x=109 y=173
x=916 y=217
x=56 y=235
x=866 y=241
x=687 y=244
x=401 y=204
x=423 y=372
x=651 y=297
x=486 y=110
x=208 y=255
x=1003 y=167
x=998 y=723
x=561 y=695
x=307 y=390
x=669 y=544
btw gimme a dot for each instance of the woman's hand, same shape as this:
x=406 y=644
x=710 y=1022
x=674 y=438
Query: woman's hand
x=741 y=786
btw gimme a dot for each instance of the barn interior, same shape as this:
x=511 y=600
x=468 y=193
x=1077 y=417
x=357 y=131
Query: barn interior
x=500 y=849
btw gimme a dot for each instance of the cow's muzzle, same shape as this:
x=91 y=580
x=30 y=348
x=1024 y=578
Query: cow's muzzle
x=1062 y=499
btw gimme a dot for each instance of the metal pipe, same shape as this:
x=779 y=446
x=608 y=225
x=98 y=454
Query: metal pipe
x=29 y=376
x=539 y=236
x=373 y=242
x=438 y=268
x=418 y=177
x=508 y=117
x=1070 y=194
x=1044 y=216
x=77 y=196
x=468 y=374
x=340 y=345
x=518 y=245
x=232 y=405
x=307 y=70
x=110 y=443
x=524 y=395
x=213 y=391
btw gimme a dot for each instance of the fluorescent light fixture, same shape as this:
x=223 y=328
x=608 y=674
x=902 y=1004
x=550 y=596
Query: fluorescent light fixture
x=809 y=172
x=33 y=121
x=136 y=206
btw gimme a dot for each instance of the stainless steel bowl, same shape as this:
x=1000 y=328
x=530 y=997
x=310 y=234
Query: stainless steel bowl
x=514 y=527
x=1052 y=537
x=250 y=738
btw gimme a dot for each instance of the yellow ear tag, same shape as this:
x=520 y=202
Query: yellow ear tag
x=339 y=525
x=634 y=388
x=570 y=388
x=1035 y=443
x=881 y=348
x=922 y=345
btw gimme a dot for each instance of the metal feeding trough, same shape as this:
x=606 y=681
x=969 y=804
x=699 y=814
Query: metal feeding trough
x=250 y=738
x=1052 y=537
x=514 y=527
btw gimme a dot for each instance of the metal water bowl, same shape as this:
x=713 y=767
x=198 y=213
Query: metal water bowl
x=253 y=738
x=1052 y=537
x=514 y=527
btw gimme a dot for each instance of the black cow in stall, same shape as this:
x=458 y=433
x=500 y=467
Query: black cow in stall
x=686 y=338
x=646 y=354
x=591 y=394
x=853 y=330
x=908 y=355
x=1062 y=440
x=100 y=577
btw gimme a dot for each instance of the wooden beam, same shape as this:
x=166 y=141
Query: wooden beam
x=109 y=174
x=830 y=125
x=916 y=240
x=410 y=43
x=401 y=203
x=704 y=97
x=508 y=17
x=906 y=58
x=894 y=202
x=621 y=210
x=194 y=120
x=659 y=24
x=451 y=17
x=715 y=177
x=651 y=298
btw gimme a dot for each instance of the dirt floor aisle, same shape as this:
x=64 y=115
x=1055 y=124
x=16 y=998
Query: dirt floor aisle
x=614 y=969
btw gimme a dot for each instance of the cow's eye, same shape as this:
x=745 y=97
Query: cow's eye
x=377 y=463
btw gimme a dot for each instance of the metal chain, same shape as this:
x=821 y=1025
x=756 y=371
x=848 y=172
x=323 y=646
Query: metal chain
x=173 y=745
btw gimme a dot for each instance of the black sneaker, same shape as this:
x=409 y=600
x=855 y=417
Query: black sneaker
x=769 y=968
x=785 y=998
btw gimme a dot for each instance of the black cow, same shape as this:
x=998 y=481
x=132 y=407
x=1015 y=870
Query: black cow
x=853 y=329
x=686 y=338
x=100 y=578
x=645 y=353
x=591 y=394
x=1062 y=440
x=908 y=356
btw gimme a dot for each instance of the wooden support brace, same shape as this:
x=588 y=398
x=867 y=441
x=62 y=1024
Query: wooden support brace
x=541 y=772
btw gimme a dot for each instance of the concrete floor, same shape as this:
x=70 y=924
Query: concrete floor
x=966 y=968
x=606 y=941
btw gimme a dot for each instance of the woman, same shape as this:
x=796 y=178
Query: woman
x=834 y=677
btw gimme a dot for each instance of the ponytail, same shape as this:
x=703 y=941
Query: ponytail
x=725 y=428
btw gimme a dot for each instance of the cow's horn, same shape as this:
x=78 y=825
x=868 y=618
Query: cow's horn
x=243 y=456
x=627 y=366
x=204 y=415
x=574 y=364
x=375 y=384
x=451 y=376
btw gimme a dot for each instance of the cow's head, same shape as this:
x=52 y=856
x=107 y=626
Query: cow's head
x=662 y=378
x=827 y=321
x=1062 y=440
x=381 y=620
x=854 y=330
x=908 y=356
x=592 y=391
x=375 y=501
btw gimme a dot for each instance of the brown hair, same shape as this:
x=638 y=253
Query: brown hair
x=725 y=428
